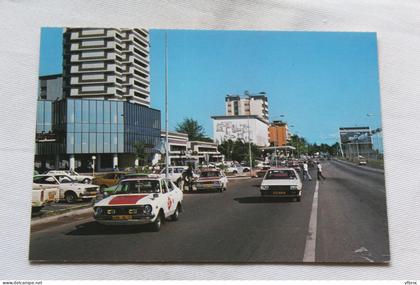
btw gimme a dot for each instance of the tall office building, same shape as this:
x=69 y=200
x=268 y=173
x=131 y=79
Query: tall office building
x=107 y=64
x=100 y=106
x=247 y=105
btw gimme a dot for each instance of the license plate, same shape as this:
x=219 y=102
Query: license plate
x=122 y=217
x=279 y=193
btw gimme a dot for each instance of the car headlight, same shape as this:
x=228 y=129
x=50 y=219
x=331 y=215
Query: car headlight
x=98 y=211
x=147 y=209
x=264 y=187
x=293 y=187
x=106 y=194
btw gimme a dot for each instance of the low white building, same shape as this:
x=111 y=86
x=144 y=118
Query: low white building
x=246 y=128
x=181 y=150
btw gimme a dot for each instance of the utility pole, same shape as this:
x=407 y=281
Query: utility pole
x=249 y=147
x=166 y=108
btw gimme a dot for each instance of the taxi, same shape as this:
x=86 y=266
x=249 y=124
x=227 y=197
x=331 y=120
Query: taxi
x=139 y=201
x=281 y=182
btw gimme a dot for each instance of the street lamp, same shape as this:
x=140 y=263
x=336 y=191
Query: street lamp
x=249 y=148
x=93 y=165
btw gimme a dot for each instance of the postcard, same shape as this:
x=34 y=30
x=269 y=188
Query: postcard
x=208 y=146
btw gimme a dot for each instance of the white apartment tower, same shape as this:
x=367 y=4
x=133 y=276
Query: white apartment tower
x=247 y=105
x=107 y=64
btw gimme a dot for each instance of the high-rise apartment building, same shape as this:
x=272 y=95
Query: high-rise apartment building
x=107 y=64
x=100 y=106
x=278 y=133
x=247 y=105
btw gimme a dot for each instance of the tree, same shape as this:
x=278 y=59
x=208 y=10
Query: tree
x=238 y=150
x=194 y=130
x=140 y=150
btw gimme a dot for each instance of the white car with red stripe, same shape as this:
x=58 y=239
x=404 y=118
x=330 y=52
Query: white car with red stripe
x=139 y=201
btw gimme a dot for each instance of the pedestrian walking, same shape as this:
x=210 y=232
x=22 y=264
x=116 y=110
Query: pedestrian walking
x=319 y=173
x=306 y=174
x=188 y=178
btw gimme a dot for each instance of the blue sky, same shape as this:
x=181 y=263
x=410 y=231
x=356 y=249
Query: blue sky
x=319 y=81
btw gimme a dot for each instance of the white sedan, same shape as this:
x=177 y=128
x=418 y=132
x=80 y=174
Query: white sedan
x=139 y=201
x=70 y=191
x=281 y=182
x=73 y=175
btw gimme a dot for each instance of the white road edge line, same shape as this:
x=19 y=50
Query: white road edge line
x=310 y=246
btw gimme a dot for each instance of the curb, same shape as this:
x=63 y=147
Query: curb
x=66 y=213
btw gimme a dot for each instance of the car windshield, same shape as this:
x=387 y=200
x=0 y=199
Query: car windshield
x=64 y=179
x=138 y=186
x=280 y=174
x=210 y=174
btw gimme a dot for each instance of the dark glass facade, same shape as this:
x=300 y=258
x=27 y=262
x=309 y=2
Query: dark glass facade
x=83 y=126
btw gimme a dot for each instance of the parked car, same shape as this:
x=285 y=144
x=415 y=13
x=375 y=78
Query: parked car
x=111 y=190
x=106 y=180
x=211 y=179
x=281 y=182
x=70 y=190
x=175 y=173
x=362 y=162
x=139 y=201
x=44 y=195
x=73 y=175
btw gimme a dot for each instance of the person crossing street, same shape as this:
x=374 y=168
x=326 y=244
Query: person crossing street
x=319 y=172
x=306 y=174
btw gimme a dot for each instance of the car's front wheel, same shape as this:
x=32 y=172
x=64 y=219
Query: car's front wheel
x=175 y=215
x=70 y=197
x=157 y=224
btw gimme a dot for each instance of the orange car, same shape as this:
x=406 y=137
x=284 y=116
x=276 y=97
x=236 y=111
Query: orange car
x=106 y=180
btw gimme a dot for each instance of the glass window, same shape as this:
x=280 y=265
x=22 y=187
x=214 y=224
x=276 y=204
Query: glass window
x=85 y=111
x=107 y=128
x=99 y=111
x=92 y=111
x=107 y=110
x=120 y=112
x=78 y=127
x=99 y=142
x=164 y=188
x=77 y=142
x=70 y=111
x=99 y=128
x=70 y=142
x=114 y=115
x=114 y=142
x=85 y=142
x=47 y=116
x=92 y=142
x=107 y=142
x=120 y=142
x=78 y=111
x=40 y=117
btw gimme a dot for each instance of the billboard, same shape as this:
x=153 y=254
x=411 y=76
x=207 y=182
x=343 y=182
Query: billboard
x=359 y=135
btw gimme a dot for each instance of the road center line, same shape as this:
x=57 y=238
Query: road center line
x=310 y=246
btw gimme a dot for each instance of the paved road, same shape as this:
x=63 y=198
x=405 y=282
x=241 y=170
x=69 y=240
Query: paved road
x=239 y=226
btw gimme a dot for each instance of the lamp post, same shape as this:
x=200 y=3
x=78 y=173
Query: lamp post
x=93 y=165
x=166 y=108
x=249 y=148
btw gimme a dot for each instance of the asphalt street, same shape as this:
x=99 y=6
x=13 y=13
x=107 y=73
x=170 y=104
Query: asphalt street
x=347 y=224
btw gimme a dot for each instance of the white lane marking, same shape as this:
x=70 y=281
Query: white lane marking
x=368 y=259
x=310 y=246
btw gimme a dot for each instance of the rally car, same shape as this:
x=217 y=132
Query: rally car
x=281 y=182
x=211 y=179
x=139 y=201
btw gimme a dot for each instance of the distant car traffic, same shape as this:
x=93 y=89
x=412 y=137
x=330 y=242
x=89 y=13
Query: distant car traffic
x=70 y=190
x=212 y=179
x=73 y=175
x=237 y=168
x=139 y=201
x=281 y=182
